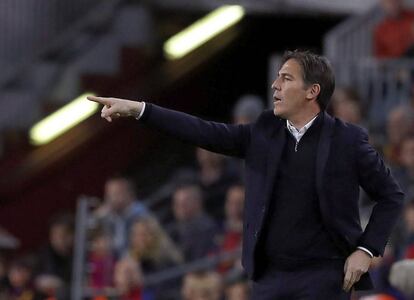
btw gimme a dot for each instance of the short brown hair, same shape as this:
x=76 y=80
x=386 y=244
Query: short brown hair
x=315 y=69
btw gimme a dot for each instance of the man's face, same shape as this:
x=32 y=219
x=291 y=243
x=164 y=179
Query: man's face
x=290 y=92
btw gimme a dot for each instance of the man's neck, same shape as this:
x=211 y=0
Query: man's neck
x=300 y=121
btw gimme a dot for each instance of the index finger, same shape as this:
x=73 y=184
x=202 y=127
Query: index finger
x=101 y=100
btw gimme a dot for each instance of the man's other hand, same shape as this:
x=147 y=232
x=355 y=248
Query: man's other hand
x=115 y=108
x=356 y=264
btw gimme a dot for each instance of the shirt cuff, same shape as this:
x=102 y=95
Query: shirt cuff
x=142 y=111
x=366 y=251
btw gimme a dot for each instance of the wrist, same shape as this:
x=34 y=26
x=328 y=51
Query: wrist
x=135 y=108
x=365 y=251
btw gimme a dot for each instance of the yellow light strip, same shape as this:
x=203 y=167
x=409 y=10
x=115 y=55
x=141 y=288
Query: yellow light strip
x=203 y=30
x=62 y=120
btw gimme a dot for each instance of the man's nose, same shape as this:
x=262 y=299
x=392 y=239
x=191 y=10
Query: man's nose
x=275 y=85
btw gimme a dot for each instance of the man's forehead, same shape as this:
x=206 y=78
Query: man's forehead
x=290 y=67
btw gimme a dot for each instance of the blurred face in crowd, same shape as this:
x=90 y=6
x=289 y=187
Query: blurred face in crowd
x=346 y=108
x=201 y=287
x=19 y=276
x=61 y=239
x=238 y=291
x=407 y=153
x=409 y=217
x=186 y=203
x=349 y=112
x=208 y=159
x=102 y=245
x=391 y=7
x=242 y=119
x=235 y=203
x=127 y=275
x=398 y=125
x=142 y=237
x=48 y=284
x=291 y=96
x=118 y=194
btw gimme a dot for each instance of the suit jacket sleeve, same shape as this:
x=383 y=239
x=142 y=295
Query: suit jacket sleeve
x=223 y=138
x=376 y=179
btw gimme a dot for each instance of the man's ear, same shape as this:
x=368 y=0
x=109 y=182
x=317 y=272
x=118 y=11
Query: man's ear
x=313 y=91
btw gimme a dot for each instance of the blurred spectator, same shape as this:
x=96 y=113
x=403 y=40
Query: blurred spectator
x=408 y=243
x=55 y=260
x=19 y=285
x=402 y=277
x=216 y=175
x=51 y=287
x=128 y=279
x=394 y=36
x=238 y=290
x=247 y=109
x=405 y=173
x=346 y=105
x=154 y=252
x=191 y=221
x=151 y=247
x=233 y=226
x=399 y=126
x=202 y=286
x=119 y=210
x=3 y=271
x=7 y=240
x=101 y=260
x=378 y=297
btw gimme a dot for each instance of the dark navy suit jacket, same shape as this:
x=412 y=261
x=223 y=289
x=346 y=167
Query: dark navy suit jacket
x=345 y=161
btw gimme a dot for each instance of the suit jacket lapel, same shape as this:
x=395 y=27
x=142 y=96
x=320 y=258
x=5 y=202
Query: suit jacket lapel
x=322 y=155
x=276 y=146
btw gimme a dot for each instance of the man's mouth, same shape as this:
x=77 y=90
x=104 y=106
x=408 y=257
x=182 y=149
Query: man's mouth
x=276 y=99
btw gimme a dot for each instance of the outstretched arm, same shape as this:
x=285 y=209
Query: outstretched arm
x=223 y=138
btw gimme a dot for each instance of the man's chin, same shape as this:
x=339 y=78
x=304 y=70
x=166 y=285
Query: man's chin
x=277 y=113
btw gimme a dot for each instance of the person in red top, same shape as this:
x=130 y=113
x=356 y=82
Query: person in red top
x=233 y=227
x=394 y=36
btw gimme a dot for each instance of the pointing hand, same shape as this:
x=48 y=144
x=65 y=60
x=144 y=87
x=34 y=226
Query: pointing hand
x=115 y=108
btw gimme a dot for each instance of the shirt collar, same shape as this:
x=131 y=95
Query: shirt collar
x=299 y=133
x=303 y=129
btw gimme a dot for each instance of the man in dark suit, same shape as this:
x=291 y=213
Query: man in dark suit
x=302 y=237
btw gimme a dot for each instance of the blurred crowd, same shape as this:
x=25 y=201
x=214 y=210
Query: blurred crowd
x=129 y=246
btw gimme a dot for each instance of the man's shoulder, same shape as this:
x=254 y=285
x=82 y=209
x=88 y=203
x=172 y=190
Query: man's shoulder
x=268 y=117
x=347 y=129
